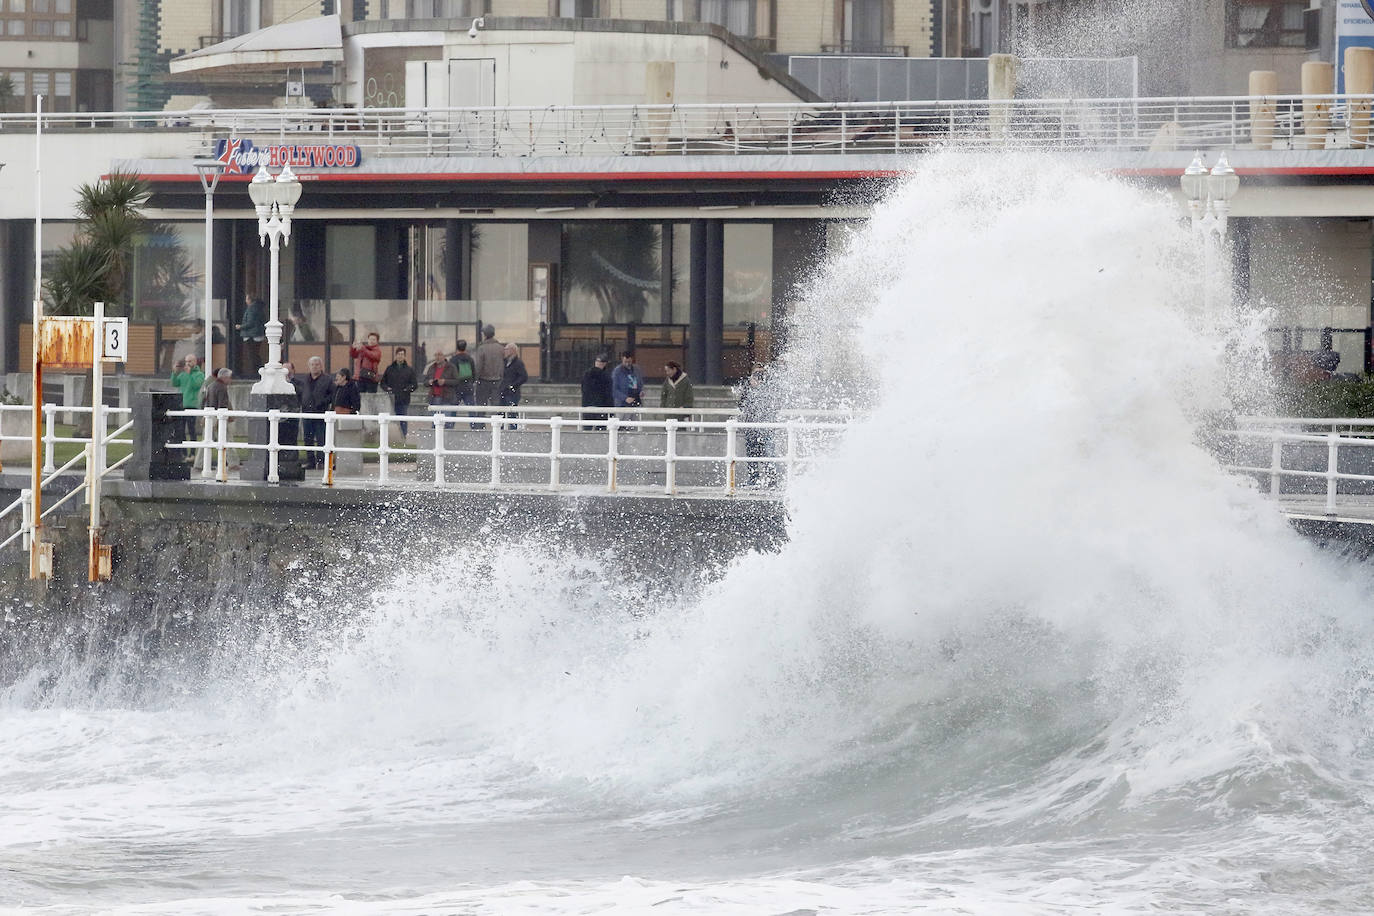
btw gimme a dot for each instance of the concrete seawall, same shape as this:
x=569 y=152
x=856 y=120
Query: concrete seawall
x=196 y=561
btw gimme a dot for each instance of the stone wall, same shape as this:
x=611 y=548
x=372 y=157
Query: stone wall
x=198 y=565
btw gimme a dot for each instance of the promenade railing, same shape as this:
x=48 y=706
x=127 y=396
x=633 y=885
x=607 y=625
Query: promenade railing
x=510 y=439
x=782 y=128
x=90 y=452
x=1325 y=465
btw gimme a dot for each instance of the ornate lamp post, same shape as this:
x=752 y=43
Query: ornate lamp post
x=274 y=199
x=209 y=171
x=1209 y=194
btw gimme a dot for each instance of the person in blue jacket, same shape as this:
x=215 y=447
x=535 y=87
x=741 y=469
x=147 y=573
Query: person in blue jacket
x=627 y=385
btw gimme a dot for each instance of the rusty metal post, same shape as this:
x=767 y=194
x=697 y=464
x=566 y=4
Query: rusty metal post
x=95 y=456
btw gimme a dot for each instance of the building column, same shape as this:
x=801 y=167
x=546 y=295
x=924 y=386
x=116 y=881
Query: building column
x=696 y=315
x=454 y=247
x=715 y=302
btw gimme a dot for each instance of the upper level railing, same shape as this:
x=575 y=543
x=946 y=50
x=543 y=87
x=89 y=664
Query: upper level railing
x=1162 y=124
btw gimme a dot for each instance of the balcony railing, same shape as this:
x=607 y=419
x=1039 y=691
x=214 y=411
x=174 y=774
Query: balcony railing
x=864 y=47
x=1156 y=124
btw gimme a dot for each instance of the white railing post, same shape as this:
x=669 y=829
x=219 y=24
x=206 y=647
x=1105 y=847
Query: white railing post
x=670 y=459
x=731 y=453
x=49 y=436
x=439 y=425
x=273 y=439
x=329 y=420
x=1276 y=466
x=222 y=430
x=612 y=451
x=1332 y=448
x=555 y=452
x=791 y=450
x=384 y=449
x=26 y=514
x=496 y=424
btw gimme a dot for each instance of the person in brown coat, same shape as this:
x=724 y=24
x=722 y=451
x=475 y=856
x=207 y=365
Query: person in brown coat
x=491 y=366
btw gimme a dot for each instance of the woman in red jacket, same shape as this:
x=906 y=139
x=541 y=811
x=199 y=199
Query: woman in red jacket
x=369 y=357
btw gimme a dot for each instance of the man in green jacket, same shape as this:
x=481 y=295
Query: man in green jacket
x=188 y=377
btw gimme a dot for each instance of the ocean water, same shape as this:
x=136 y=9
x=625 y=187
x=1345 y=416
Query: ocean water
x=1028 y=650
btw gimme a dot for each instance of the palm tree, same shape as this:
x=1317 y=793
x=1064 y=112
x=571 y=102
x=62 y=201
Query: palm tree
x=95 y=266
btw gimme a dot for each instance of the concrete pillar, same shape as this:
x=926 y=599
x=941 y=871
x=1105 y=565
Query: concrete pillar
x=696 y=311
x=1359 y=80
x=254 y=465
x=1264 y=85
x=715 y=302
x=1318 y=78
x=1001 y=87
x=153 y=429
x=348 y=433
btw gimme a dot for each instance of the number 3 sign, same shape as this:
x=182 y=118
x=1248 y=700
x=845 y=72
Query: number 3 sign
x=116 y=337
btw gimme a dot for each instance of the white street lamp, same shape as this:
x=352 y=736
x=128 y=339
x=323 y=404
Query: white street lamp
x=1209 y=194
x=209 y=171
x=274 y=199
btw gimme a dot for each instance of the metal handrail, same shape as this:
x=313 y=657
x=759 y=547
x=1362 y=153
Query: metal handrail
x=1278 y=431
x=792 y=456
x=762 y=128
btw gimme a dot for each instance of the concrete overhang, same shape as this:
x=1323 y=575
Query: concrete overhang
x=309 y=43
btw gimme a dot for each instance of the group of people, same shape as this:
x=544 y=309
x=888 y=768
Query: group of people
x=624 y=385
x=493 y=375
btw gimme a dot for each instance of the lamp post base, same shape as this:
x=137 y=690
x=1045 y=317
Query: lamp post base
x=255 y=463
x=272 y=380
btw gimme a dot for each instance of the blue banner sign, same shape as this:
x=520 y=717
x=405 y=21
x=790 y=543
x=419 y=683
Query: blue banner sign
x=242 y=157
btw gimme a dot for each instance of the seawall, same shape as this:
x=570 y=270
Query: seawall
x=198 y=561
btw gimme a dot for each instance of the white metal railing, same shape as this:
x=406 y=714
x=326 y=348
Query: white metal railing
x=783 y=128
x=727 y=445
x=50 y=472
x=1317 y=443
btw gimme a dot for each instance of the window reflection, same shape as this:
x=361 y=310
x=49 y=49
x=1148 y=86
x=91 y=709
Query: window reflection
x=613 y=272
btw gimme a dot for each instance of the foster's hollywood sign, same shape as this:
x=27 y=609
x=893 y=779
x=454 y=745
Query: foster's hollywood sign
x=241 y=157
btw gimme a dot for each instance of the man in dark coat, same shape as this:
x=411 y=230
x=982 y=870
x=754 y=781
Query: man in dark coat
x=399 y=379
x=317 y=396
x=596 y=387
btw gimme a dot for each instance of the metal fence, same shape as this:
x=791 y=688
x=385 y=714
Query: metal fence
x=1323 y=466
x=1295 y=122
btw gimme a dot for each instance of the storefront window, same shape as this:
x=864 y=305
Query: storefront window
x=613 y=273
x=167 y=273
x=500 y=261
x=350 y=256
x=748 y=275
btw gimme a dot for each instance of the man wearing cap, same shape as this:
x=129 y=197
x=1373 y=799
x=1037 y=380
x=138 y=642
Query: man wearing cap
x=491 y=366
x=596 y=387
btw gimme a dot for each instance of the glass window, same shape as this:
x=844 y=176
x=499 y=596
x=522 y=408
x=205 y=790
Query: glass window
x=748 y=275
x=62 y=6
x=16 y=6
x=863 y=25
x=1265 y=23
x=40 y=84
x=350 y=257
x=20 y=79
x=14 y=27
x=735 y=15
x=62 y=83
x=682 y=274
x=42 y=6
x=42 y=27
x=167 y=271
x=612 y=272
x=500 y=261
x=573 y=8
x=62 y=28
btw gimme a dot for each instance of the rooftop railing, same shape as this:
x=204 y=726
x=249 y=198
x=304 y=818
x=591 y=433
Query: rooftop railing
x=1140 y=124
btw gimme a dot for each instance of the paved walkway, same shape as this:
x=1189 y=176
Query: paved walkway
x=1357 y=510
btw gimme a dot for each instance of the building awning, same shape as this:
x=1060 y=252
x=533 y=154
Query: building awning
x=308 y=43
